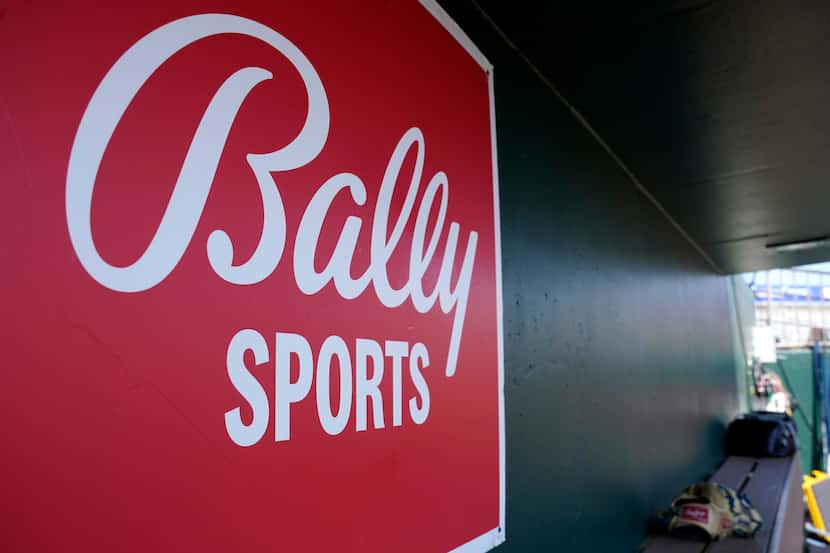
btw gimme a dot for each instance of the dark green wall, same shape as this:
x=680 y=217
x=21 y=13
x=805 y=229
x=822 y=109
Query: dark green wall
x=620 y=368
x=743 y=305
x=796 y=366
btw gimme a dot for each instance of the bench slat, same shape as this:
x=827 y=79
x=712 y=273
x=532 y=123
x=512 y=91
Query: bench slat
x=667 y=544
x=733 y=471
x=789 y=532
x=775 y=491
x=764 y=492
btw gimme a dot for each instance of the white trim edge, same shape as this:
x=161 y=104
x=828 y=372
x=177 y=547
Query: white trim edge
x=499 y=313
x=452 y=27
x=496 y=536
x=484 y=542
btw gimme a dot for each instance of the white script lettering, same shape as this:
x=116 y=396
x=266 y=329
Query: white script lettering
x=184 y=210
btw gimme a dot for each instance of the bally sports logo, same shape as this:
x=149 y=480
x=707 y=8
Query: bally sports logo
x=173 y=236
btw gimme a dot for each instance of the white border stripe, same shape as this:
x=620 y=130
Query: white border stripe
x=499 y=313
x=484 y=542
x=452 y=28
x=496 y=536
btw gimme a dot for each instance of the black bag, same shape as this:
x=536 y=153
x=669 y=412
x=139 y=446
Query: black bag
x=761 y=434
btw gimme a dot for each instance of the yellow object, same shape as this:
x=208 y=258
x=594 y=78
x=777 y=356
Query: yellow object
x=812 y=505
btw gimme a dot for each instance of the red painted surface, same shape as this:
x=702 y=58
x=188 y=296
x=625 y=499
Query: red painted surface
x=113 y=403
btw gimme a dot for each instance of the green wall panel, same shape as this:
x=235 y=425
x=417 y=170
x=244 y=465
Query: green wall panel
x=619 y=352
x=743 y=308
x=797 y=368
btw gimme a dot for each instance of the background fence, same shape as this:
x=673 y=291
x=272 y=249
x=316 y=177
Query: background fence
x=792 y=302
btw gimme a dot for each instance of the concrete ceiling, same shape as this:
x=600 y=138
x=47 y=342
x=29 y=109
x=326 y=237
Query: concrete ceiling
x=720 y=108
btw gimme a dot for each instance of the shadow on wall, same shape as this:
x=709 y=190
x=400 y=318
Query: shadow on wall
x=619 y=359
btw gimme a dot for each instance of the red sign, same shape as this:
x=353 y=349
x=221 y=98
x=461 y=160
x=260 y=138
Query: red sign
x=251 y=280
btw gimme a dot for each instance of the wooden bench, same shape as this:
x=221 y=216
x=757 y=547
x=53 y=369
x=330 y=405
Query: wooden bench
x=774 y=488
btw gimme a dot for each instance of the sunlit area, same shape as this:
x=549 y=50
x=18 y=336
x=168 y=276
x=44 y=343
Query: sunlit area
x=794 y=303
x=787 y=369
